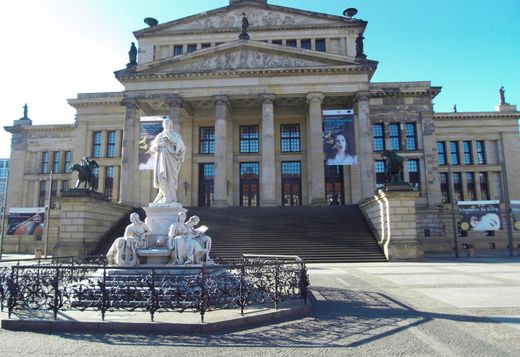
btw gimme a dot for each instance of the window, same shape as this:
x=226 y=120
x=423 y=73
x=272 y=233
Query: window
x=206 y=187
x=411 y=136
x=177 y=50
x=54 y=193
x=96 y=144
x=470 y=186
x=380 y=173
x=454 y=153
x=192 y=47
x=395 y=136
x=56 y=157
x=445 y=191
x=205 y=45
x=320 y=45
x=207 y=140
x=379 y=139
x=291 y=183
x=484 y=187
x=64 y=185
x=413 y=174
x=290 y=43
x=457 y=186
x=109 y=181
x=441 y=152
x=306 y=44
x=68 y=162
x=249 y=138
x=249 y=184
x=481 y=153
x=41 y=197
x=95 y=173
x=45 y=163
x=290 y=137
x=111 y=143
x=276 y=42
x=468 y=155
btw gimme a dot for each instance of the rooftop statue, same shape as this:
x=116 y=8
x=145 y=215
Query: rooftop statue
x=360 y=51
x=245 y=25
x=132 y=55
x=85 y=171
x=502 y=96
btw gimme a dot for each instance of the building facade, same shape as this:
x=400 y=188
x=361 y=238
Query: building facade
x=246 y=86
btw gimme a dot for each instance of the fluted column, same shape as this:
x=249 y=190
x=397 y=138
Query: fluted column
x=128 y=153
x=175 y=104
x=220 y=184
x=268 y=170
x=316 y=168
x=366 y=152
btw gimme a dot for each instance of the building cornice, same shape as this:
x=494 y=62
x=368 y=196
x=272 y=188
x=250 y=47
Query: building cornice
x=477 y=115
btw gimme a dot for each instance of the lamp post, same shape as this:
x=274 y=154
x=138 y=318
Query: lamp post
x=46 y=243
x=453 y=217
x=2 y=223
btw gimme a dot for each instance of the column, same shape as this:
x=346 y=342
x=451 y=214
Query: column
x=316 y=173
x=129 y=152
x=220 y=184
x=175 y=104
x=268 y=169
x=366 y=155
x=432 y=183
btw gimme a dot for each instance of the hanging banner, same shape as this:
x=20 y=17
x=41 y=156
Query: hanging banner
x=149 y=128
x=26 y=222
x=339 y=137
x=479 y=215
x=515 y=208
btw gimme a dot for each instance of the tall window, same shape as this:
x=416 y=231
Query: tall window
x=45 y=163
x=320 y=45
x=413 y=174
x=205 y=45
x=249 y=184
x=54 y=193
x=41 y=197
x=470 y=186
x=96 y=144
x=290 y=43
x=441 y=152
x=484 y=186
x=457 y=186
x=56 y=157
x=248 y=138
x=192 y=47
x=468 y=155
x=290 y=137
x=306 y=44
x=379 y=138
x=67 y=162
x=207 y=140
x=276 y=42
x=206 y=184
x=411 y=136
x=481 y=152
x=395 y=136
x=111 y=143
x=380 y=173
x=445 y=191
x=177 y=50
x=291 y=183
x=109 y=181
x=454 y=153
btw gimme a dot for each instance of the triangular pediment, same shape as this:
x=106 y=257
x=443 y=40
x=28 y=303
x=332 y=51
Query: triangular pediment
x=259 y=16
x=244 y=55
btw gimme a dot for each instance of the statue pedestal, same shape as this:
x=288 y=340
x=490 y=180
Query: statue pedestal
x=159 y=218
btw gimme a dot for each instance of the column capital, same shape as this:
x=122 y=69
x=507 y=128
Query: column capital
x=268 y=98
x=316 y=97
x=129 y=103
x=362 y=96
x=221 y=100
x=174 y=100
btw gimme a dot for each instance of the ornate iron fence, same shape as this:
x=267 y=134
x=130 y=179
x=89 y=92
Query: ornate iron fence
x=67 y=284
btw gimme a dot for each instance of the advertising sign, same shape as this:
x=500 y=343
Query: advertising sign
x=339 y=137
x=149 y=128
x=479 y=215
x=26 y=221
x=515 y=208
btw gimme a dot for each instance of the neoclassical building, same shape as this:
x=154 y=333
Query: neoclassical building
x=246 y=86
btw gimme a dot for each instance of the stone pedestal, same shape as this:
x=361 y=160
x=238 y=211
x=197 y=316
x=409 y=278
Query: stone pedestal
x=159 y=218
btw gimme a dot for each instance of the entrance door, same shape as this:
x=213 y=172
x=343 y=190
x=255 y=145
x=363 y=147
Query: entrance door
x=291 y=183
x=249 y=184
x=206 y=178
x=334 y=190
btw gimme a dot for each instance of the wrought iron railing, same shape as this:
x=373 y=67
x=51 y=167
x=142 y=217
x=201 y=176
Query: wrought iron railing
x=82 y=284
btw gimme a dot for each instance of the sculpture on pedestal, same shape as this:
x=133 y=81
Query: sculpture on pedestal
x=169 y=152
x=85 y=172
x=123 y=250
x=393 y=167
x=185 y=249
x=502 y=96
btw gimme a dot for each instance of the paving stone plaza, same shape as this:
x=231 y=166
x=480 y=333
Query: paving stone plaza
x=441 y=307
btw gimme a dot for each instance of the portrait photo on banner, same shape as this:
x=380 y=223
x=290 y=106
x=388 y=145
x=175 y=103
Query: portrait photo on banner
x=149 y=128
x=479 y=215
x=339 y=137
x=26 y=221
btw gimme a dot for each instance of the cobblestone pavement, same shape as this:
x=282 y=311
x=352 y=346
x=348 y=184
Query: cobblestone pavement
x=434 y=308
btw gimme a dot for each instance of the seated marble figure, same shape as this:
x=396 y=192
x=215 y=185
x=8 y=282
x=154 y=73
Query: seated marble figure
x=181 y=240
x=123 y=250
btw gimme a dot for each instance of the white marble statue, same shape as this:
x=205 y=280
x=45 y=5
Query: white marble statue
x=169 y=153
x=199 y=235
x=123 y=250
x=185 y=249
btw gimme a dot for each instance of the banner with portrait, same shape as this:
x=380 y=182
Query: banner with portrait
x=339 y=137
x=515 y=209
x=149 y=128
x=26 y=222
x=479 y=215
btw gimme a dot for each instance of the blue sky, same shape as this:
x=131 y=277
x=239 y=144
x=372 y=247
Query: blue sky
x=54 y=49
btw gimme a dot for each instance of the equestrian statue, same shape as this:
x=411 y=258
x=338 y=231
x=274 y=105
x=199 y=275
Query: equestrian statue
x=85 y=171
x=393 y=168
